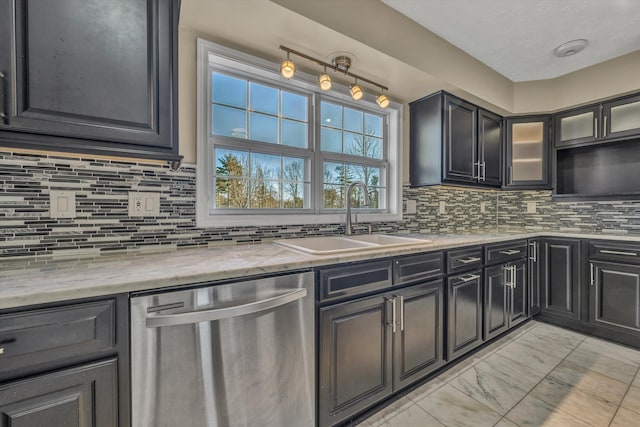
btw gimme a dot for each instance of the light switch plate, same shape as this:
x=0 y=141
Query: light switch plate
x=442 y=207
x=411 y=206
x=62 y=204
x=144 y=204
x=483 y=207
x=531 y=207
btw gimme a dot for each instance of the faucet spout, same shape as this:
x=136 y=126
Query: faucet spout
x=347 y=203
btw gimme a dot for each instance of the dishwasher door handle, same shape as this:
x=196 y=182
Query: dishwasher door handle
x=226 y=312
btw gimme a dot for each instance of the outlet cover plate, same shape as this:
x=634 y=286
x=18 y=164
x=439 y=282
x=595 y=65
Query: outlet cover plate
x=442 y=207
x=411 y=206
x=144 y=204
x=531 y=207
x=62 y=204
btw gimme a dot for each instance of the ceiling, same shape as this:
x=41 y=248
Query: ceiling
x=516 y=38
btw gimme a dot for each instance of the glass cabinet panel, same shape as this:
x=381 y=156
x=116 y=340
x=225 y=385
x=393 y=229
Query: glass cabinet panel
x=577 y=126
x=527 y=151
x=625 y=117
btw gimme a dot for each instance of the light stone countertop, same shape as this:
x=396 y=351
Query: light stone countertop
x=28 y=281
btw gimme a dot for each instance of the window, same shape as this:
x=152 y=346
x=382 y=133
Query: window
x=275 y=151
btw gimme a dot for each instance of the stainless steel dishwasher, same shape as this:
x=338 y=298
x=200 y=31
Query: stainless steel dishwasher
x=229 y=355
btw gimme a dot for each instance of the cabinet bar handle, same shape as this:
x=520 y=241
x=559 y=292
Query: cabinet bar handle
x=604 y=127
x=514 y=277
x=534 y=255
x=1 y=350
x=4 y=117
x=401 y=313
x=468 y=260
x=510 y=252
x=607 y=251
x=476 y=164
x=469 y=278
x=393 y=314
x=507 y=272
x=596 y=124
x=484 y=171
x=591 y=278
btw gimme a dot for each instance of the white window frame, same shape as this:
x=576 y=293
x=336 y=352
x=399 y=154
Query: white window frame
x=225 y=58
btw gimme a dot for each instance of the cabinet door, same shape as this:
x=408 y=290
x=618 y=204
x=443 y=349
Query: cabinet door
x=577 y=126
x=496 y=300
x=489 y=148
x=100 y=79
x=418 y=340
x=527 y=152
x=518 y=304
x=621 y=118
x=84 y=396
x=560 y=281
x=615 y=296
x=464 y=327
x=355 y=357
x=460 y=141
x=534 y=277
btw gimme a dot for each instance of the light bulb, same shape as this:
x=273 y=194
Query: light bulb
x=382 y=101
x=324 y=80
x=288 y=68
x=356 y=92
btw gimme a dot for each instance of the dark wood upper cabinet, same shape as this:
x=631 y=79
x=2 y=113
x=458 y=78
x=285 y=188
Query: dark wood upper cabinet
x=89 y=76
x=527 y=152
x=454 y=141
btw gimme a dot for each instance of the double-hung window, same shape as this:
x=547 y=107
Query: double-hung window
x=275 y=151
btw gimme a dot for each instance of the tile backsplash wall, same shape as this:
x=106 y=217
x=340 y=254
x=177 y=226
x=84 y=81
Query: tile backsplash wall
x=103 y=224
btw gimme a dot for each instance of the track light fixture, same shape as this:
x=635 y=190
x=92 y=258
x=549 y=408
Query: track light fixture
x=340 y=64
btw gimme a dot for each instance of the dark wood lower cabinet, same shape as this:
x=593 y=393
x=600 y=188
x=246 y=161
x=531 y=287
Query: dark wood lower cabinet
x=355 y=357
x=519 y=301
x=83 y=396
x=560 y=278
x=418 y=341
x=464 y=312
x=505 y=297
x=533 y=274
x=615 y=296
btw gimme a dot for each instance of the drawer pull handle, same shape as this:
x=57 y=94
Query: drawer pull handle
x=468 y=260
x=607 y=251
x=510 y=252
x=534 y=252
x=469 y=278
x=1 y=350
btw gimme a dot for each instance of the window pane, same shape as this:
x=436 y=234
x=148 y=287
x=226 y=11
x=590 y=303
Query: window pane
x=265 y=166
x=354 y=144
x=356 y=173
x=265 y=194
x=294 y=134
x=333 y=196
x=229 y=121
x=333 y=173
x=374 y=196
x=293 y=169
x=353 y=120
x=373 y=147
x=232 y=193
x=331 y=115
x=263 y=98
x=331 y=140
x=372 y=178
x=263 y=128
x=229 y=90
x=373 y=125
x=293 y=195
x=231 y=162
x=294 y=106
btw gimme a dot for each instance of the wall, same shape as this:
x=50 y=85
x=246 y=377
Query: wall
x=103 y=224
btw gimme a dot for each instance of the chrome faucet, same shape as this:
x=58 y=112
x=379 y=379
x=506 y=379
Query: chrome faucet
x=347 y=203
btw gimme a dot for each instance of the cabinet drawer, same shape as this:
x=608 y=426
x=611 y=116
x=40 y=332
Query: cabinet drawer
x=617 y=251
x=418 y=268
x=464 y=259
x=55 y=334
x=504 y=252
x=354 y=279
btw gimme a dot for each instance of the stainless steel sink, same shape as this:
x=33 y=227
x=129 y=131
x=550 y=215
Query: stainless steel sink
x=326 y=245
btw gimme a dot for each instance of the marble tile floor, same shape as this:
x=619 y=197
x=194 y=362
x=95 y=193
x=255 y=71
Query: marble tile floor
x=538 y=375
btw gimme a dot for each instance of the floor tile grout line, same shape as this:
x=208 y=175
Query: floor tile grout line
x=625 y=395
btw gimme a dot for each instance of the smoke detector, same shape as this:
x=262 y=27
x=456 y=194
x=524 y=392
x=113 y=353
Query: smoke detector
x=570 y=48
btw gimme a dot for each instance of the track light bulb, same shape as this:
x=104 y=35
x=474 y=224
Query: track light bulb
x=383 y=101
x=356 y=92
x=288 y=68
x=324 y=80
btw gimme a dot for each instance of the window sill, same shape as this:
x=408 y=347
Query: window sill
x=261 y=220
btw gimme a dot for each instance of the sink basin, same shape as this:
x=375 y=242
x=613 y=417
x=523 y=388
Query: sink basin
x=326 y=245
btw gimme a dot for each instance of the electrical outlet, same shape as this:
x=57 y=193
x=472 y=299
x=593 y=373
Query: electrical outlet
x=144 y=204
x=531 y=207
x=442 y=207
x=483 y=207
x=62 y=204
x=412 y=207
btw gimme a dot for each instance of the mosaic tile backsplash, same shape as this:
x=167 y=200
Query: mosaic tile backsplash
x=103 y=224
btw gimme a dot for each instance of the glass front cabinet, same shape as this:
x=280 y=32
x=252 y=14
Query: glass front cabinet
x=527 y=152
x=608 y=121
